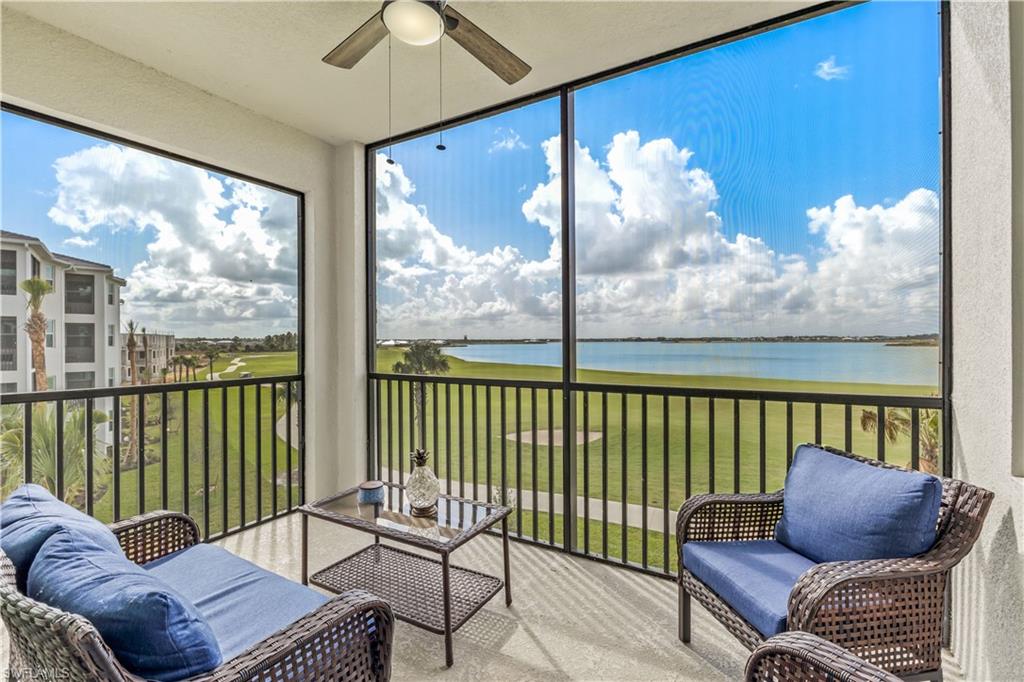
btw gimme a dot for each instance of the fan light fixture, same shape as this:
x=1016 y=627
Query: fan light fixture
x=413 y=21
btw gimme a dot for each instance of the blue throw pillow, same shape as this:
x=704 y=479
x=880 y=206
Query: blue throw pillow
x=838 y=509
x=30 y=515
x=154 y=631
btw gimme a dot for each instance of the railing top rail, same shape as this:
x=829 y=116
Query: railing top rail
x=867 y=399
x=140 y=389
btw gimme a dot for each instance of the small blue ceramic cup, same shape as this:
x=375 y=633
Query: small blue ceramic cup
x=371 y=492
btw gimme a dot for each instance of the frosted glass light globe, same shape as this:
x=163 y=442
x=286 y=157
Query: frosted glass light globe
x=413 y=22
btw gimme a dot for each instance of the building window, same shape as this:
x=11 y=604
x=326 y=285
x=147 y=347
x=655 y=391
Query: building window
x=8 y=272
x=111 y=292
x=48 y=273
x=51 y=382
x=79 y=294
x=8 y=342
x=110 y=335
x=35 y=267
x=9 y=387
x=110 y=376
x=51 y=333
x=79 y=380
x=79 y=342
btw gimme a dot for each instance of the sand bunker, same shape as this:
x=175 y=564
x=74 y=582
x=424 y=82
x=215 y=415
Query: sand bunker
x=542 y=436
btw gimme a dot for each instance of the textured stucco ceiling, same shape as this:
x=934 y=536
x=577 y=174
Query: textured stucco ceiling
x=266 y=55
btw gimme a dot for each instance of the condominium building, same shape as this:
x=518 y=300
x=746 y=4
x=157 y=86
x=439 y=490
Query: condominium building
x=153 y=353
x=83 y=314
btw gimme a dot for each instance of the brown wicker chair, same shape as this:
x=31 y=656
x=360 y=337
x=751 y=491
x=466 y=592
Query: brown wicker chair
x=803 y=657
x=348 y=638
x=885 y=611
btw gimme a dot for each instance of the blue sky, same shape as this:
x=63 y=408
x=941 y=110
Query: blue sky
x=782 y=123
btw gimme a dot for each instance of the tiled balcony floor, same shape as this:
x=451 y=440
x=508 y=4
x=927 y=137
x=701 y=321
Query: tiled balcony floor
x=571 y=618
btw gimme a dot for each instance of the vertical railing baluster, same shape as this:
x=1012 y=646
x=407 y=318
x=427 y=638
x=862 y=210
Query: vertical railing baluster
x=258 y=415
x=475 y=440
x=447 y=435
x=412 y=420
x=504 y=441
x=379 y=439
x=533 y=469
x=273 y=447
x=224 y=459
x=711 y=445
x=643 y=479
x=789 y=433
x=735 y=446
x=586 y=472
x=186 y=486
x=141 y=454
x=462 y=442
x=551 y=467
x=519 y=462
x=915 y=439
x=434 y=407
x=241 y=456
x=27 y=444
x=848 y=427
x=288 y=439
x=687 y=450
x=90 y=446
x=664 y=483
x=762 y=473
x=59 y=448
x=817 y=423
x=116 y=463
x=164 y=482
x=300 y=399
x=391 y=432
x=423 y=419
x=604 y=474
x=624 y=417
x=880 y=430
x=487 y=443
x=401 y=435
x=206 y=463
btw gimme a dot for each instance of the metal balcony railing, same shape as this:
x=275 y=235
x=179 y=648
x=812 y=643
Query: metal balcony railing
x=608 y=486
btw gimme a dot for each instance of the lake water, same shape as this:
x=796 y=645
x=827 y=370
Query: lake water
x=859 y=362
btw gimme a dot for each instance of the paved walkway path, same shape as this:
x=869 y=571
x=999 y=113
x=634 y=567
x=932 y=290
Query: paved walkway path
x=594 y=506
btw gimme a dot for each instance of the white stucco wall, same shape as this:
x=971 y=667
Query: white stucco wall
x=988 y=601
x=54 y=72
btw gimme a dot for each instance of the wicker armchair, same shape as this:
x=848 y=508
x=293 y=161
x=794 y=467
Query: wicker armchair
x=886 y=611
x=803 y=657
x=348 y=638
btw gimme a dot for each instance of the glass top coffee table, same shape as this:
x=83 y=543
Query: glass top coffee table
x=428 y=593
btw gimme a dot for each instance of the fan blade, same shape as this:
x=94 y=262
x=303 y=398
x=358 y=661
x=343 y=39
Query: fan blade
x=355 y=47
x=486 y=49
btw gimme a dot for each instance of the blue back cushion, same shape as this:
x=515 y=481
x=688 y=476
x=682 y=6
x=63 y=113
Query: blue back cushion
x=31 y=515
x=154 y=631
x=839 y=509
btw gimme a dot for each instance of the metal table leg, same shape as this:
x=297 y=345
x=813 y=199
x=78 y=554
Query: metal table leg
x=508 y=574
x=446 y=587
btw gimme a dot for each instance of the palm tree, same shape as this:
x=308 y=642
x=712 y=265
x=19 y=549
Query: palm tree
x=145 y=355
x=132 y=343
x=35 y=326
x=421 y=357
x=44 y=449
x=899 y=422
x=211 y=355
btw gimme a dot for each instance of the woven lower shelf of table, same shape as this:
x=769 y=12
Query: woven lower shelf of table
x=411 y=584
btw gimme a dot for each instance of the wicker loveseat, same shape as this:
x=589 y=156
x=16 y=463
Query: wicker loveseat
x=803 y=657
x=347 y=638
x=888 y=612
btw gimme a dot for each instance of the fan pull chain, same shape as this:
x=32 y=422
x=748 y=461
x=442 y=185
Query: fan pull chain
x=390 y=160
x=440 y=88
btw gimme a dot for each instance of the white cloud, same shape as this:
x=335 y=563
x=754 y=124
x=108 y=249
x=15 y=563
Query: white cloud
x=80 y=242
x=222 y=255
x=653 y=258
x=506 y=139
x=828 y=70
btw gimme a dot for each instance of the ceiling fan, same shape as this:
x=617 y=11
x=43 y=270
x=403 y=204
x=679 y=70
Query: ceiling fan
x=422 y=22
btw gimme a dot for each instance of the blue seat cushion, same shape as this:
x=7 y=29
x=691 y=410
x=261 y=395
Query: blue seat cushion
x=152 y=629
x=30 y=515
x=243 y=603
x=754 y=577
x=838 y=509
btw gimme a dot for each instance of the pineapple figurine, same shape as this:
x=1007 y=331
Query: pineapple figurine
x=422 y=486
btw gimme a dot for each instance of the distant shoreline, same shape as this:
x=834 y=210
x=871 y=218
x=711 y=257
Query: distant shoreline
x=918 y=340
